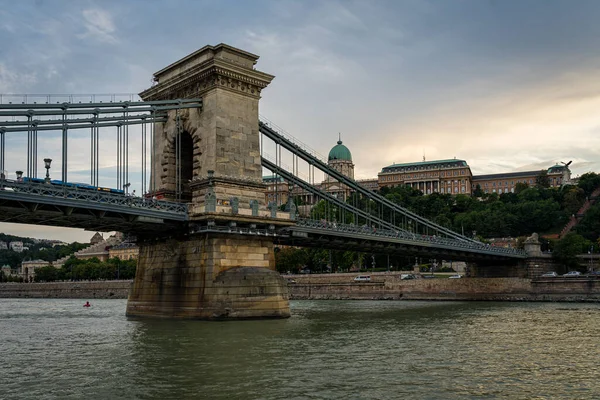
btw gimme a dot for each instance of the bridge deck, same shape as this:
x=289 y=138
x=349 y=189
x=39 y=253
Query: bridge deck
x=47 y=204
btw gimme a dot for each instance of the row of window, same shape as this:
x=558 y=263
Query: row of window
x=415 y=176
x=422 y=168
x=448 y=190
x=500 y=191
x=456 y=182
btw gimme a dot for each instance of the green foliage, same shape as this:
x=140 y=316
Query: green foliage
x=542 y=179
x=290 y=259
x=520 y=186
x=90 y=269
x=37 y=251
x=589 y=182
x=528 y=210
x=566 y=249
x=573 y=199
x=589 y=226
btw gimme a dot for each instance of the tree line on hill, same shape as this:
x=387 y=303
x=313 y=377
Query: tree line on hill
x=538 y=208
x=75 y=269
x=37 y=251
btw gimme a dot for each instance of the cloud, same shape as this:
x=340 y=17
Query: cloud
x=504 y=85
x=12 y=80
x=99 y=25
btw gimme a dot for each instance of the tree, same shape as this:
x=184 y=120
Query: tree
x=573 y=199
x=542 y=179
x=566 y=250
x=46 y=274
x=478 y=192
x=290 y=259
x=589 y=182
x=589 y=226
x=520 y=186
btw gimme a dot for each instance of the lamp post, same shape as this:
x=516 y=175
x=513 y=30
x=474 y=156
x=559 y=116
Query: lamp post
x=47 y=162
x=126 y=187
x=19 y=176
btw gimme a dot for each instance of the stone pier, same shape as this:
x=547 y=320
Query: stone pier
x=208 y=276
x=222 y=266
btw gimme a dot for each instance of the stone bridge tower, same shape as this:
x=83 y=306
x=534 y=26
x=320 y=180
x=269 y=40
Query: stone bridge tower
x=223 y=265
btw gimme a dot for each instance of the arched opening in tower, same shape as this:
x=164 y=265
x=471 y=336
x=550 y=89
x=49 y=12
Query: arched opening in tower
x=186 y=163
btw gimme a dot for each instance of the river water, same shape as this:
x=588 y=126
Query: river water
x=56 y=349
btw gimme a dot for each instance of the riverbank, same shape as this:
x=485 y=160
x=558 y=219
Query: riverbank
x=389 y=286
x=67 y=290
x=383 y=286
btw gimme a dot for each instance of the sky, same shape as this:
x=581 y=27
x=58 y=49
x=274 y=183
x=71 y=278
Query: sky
x=505 y=85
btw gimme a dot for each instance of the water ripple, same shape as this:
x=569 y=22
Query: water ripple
x=56 y=349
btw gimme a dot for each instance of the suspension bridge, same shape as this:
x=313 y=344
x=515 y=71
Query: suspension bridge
x=195 y=149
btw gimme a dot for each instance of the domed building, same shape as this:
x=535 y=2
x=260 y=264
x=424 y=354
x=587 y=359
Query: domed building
x=340 y=159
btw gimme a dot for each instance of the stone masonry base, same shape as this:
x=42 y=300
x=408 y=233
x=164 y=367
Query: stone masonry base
x=208 y=276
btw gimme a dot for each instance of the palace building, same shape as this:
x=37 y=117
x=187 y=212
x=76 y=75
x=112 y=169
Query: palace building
x=452 y=176
x=441 y=176
x=558 y=175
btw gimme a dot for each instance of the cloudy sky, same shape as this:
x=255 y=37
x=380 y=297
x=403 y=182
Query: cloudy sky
x=505 y=85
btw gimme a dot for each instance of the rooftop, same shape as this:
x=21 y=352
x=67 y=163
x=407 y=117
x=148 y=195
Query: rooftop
x=437 y=163
x=272 y=178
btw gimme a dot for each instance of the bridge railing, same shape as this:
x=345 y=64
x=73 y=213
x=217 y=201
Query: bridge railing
x=413 y=237
x=11 y=188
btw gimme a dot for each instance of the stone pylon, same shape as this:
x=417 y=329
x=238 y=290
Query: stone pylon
x=223 y=264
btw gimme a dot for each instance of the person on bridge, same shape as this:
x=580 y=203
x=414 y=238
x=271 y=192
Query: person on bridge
x=87 y=304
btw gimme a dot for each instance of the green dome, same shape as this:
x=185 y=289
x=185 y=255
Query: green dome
x=340 y=152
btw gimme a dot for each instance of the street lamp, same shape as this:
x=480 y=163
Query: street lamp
x=19 y=176
x=126 y=187
x=47 y=162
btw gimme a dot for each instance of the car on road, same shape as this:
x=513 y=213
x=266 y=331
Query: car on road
x=457 y=276
x=407 y=276
x=549 y=274
x=572 y=273
x=363 y=278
